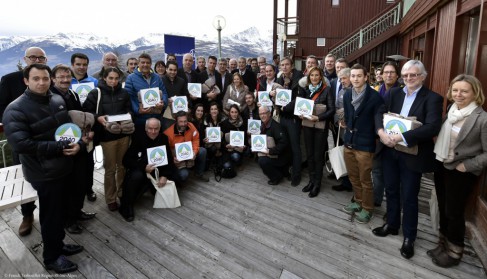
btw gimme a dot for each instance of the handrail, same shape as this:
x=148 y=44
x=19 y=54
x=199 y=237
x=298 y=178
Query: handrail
x=368 y=32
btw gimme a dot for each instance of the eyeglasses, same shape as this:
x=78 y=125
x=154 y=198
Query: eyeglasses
x=63 y=77
x=389 y=72
x=34 y=58
x=410 y=75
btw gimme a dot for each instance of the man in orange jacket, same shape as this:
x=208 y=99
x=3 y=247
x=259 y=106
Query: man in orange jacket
x=184 y=131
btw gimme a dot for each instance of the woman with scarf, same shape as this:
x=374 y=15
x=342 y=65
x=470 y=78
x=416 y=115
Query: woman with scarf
x=234 y=122
x=111 y=99
x=462 y=148
x=235 y=94
x=213 y=119
x=315 y=128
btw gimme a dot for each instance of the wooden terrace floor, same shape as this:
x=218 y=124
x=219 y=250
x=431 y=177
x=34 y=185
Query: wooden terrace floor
x=238 y=228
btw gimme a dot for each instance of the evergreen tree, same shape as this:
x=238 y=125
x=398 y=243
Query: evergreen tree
x=19 y=66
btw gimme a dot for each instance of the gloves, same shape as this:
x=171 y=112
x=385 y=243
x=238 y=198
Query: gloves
x=127 y=127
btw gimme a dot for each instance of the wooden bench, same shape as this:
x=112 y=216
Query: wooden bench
x=14 y=189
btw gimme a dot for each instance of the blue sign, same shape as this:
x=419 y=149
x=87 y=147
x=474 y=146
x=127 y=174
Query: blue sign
x=180 y=45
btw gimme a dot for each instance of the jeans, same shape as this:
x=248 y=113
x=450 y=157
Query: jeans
x=199 y=166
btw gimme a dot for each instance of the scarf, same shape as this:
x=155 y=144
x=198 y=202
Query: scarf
x=312 y=89
x=442 y=145
x=357 y=98
x=236 y=122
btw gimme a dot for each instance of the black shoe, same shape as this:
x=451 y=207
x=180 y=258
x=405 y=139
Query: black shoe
x=385 y=231
x=62 y=265
x=376 y=204
x=314 y=192
x=341 y=188
x=83 y=215
x=74 y=229
x=407 y=249
x=273 y=182
x=91 y=197
x=71 y=249
x=308 y=187
x=295 y=181
x=127 y=213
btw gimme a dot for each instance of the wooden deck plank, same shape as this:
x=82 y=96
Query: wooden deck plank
x=243 y=228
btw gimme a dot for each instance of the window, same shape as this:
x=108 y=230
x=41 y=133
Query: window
x=320 y=41
x=335 y=3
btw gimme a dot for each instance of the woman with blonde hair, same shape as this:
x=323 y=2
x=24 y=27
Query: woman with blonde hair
x=462 y=148
x=235 y=94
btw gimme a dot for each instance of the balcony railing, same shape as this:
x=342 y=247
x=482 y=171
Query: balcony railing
x=369 y=32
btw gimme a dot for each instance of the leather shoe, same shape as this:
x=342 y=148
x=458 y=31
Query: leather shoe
x=127 y=213
x=74 y=229
x=62 y=265
x=26 y=225
x=314 y=192
x=113 y=206
x=273 y=182
x=407 y=249
x=385 y=230
x=83 y=215
x=91 y=197
x=71 y=249
x=308 y=187
x=341 y=188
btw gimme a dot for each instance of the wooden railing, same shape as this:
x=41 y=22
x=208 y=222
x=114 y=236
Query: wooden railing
x=369 y=32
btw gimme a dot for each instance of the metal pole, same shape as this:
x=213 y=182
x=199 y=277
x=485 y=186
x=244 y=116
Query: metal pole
x=219 y=43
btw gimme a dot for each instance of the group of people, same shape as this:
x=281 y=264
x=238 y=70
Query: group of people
x=344 y=103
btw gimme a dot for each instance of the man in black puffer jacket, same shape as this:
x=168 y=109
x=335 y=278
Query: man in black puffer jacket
x=30 y=124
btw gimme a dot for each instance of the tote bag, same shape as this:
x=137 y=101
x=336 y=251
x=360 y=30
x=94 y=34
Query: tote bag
x=337 y=160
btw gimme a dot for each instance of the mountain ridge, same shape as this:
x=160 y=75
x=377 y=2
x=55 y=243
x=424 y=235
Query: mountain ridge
x=59 y=47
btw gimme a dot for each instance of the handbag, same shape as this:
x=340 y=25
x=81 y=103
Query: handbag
x=337 y=160
x=167 y=196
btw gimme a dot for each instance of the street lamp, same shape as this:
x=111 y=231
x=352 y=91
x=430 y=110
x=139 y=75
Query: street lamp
x=219 y=23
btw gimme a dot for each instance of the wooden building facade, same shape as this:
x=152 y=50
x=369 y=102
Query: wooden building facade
x=448 y=36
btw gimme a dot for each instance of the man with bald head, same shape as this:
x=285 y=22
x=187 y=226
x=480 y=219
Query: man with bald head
x=110 y=59
x=187 y=72
x=11 y=87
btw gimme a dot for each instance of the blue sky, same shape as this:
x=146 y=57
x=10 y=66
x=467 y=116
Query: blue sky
x=118 y=20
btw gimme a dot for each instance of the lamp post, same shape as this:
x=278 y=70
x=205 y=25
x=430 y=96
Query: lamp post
x=219 y=23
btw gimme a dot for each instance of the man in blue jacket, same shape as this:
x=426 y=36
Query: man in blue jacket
x=144 y=78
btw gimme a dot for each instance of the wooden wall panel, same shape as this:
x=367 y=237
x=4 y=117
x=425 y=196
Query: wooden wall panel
x=443 y=56
x=419 y=10
x=317 y=18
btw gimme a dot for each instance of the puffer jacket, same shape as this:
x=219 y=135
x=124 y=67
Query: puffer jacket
x=30 y=123
x=113 y=101
x=136 y=82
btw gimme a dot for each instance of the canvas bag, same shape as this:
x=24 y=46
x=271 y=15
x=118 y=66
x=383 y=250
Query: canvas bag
x=337 y=160
x=167 y=196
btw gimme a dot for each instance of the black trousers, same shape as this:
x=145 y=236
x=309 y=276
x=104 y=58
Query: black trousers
x=27 y=209
x=293 y=130
x=82 y=180
x=452 y=190
x=134 y=185
x=274 y=169
x=316 y=144
x=52 y=215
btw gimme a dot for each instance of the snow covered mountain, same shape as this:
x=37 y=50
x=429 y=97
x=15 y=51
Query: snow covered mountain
x=60 y=47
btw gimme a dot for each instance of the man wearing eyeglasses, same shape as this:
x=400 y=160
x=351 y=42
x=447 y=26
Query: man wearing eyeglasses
x=11 y=87
x=402 y=171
